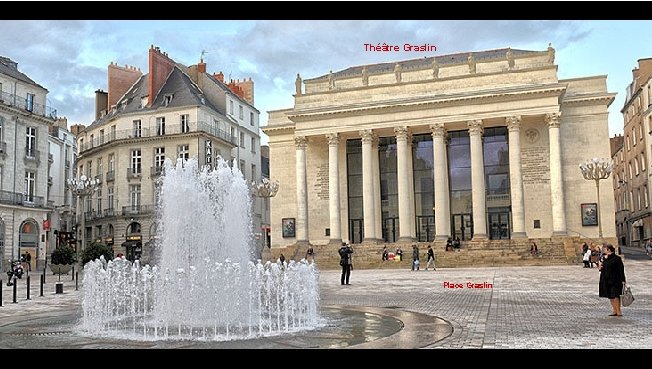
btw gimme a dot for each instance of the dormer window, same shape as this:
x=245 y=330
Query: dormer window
x=143 y=101
x=167 y=99
x=123 y=104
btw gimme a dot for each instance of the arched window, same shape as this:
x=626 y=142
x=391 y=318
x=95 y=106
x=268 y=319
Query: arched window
x=134 y=228
x=28 y=237
x=153 y=230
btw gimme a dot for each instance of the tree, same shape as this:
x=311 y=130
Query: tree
x=94 y=251
x=64 y=255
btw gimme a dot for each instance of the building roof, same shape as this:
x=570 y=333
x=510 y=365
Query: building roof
x=425 y=62
x=226 y=88
x=10 y=68
x=178 y=84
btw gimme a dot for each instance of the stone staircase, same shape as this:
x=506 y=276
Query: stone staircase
x=516 y=252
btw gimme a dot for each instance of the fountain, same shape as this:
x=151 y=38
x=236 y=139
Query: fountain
x=204 y=284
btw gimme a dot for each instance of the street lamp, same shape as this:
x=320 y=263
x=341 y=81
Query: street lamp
x=597 y=169
x=629 y=212
x=81 y=188
x=265 y=190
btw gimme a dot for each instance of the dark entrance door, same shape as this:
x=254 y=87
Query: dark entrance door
x=499 y=225
x=425 y=228
x=356 y=230
x=390 y=229
x=462 y=226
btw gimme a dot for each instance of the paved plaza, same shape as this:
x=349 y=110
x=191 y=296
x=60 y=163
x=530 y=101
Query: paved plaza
x=525 y=307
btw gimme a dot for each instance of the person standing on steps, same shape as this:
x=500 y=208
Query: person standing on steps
x=415 y=257
x=345 y=262
x=431 y=258
x=385 y=253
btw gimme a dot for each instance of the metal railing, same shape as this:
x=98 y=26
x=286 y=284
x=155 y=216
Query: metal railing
x=32 y=154
x=50 y=158
x=157 y=170
x=98 y=178
x=134 y=172
x=110 y=212
x=27 y=105
x=14 y=198
x=137 y=209
x=170 y=129
x=110 y=176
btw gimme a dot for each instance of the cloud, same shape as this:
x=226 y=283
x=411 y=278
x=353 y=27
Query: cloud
x=70 y=57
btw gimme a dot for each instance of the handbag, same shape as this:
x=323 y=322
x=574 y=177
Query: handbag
x=627 y=297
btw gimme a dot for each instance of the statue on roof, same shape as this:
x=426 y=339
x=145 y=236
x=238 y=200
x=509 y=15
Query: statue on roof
x=510 y=58
x=365 y=76
x=397 y=72
x=471 y=61
x=551 y=53
x=297 y=85
x=435 y=68
x=331 y=80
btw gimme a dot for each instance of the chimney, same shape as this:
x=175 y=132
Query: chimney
x=247 y=88
x=76 y=129
x=120 y=80
x=160 y=66
x=101 y=103
x=201 y=67
x=219 y=76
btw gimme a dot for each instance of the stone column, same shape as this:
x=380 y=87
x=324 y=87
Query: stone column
x=556 y=183
x=378 y=214
x=478 y=193
x=403 y=184
x=442 y=198
x=334 y=188
x=515 y=177
x=413 y=225
x=302 y=190
x=368 y=187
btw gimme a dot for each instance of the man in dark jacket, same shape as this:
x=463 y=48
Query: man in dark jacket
x=345 y=261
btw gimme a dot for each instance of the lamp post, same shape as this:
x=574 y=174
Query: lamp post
x=597 y=169
x=81 y=188
x=264 y=190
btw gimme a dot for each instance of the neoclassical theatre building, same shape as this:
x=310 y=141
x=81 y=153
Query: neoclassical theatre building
x=484 y=146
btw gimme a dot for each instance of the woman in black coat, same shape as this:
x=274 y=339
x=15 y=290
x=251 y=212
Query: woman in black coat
x=612 y=278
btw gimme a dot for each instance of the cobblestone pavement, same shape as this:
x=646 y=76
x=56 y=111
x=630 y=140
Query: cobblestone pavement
x=528 y=307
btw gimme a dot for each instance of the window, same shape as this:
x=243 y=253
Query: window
x=134 y=195
x=643 y=163
x=636 y=165
x=634 y=137
x=253 y=172
x=110 y=198
x=143 y=101
x=159 y=157
x=101 y=136
x=135 y=162
x=81 y=169
x=231 y=107
x=90 y=142
x=30 y=142
x=112 y=137
x=185 y=123
x=631 y=172
x=251 y=119
x=646 y=196
x=111 y=162
x=241 y=111
x=628 y=143
x=2 y=119
x=29 y=102
x=537 y=223
x=232 y=132
x=167 y=99
x=242 y=140
x=640 y=130
x=184 y=152
x=100 y=167
x=160 y=126
x=638 y=195
x=89 y=169
x=98 y=208
x=30 y=186
x=137 y=128
x=242 y=166
x=253 y=145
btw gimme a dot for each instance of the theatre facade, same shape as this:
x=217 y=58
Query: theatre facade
x=484 y=146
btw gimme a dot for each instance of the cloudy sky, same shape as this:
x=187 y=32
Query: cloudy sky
x=70 y=58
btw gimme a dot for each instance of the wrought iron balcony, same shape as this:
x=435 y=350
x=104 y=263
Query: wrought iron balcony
x=27 y=105
x=109 y=212
x=137 y=210
x=110 y=176
x=32 y=155
x=134 y=173
x=14 y=198
x=157 y=170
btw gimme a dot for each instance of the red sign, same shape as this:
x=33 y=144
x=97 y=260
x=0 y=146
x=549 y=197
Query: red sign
x=46 y=225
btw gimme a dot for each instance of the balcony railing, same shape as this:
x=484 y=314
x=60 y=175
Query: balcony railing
x=27 y=105
x=134 y=172
x=110 y=176
x=32 y=155
x=13 y=198
x=109 y=212
x=137 y=209
x=170 y=129
x=49 y=180
x=98 y=178
x=157 y=170
x=50 y=158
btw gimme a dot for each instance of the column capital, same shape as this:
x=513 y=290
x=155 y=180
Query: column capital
x=438 y=130
x=333 y=139
x=513 y=122
x=301 y=142
x=402 y=133
x=475 y=127
x=367 y=135
x=552 y=119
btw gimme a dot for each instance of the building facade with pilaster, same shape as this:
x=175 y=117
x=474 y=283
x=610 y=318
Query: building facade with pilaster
x=484 y=146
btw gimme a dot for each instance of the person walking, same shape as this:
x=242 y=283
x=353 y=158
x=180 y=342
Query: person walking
x=587 y=258
x=431 y=258
x=415 y=257
x=612 y=278
x=310 y=254
x=385 y=253
x=345 y=262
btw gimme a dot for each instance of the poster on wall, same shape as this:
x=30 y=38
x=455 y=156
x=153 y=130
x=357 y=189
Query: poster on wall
x=590 y=214
x=287 y=225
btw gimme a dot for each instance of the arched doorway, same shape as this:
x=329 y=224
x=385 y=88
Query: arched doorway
x=109 y=236
x=28 y=240
x=2 y=244
x=134 y=243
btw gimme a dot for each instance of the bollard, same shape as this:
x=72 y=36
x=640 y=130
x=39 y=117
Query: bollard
x=58 y=287
x=77 y=281
x=28 y=286
x=44 y=276
x=15 y=283
x=42 y=280
x=73 y=273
